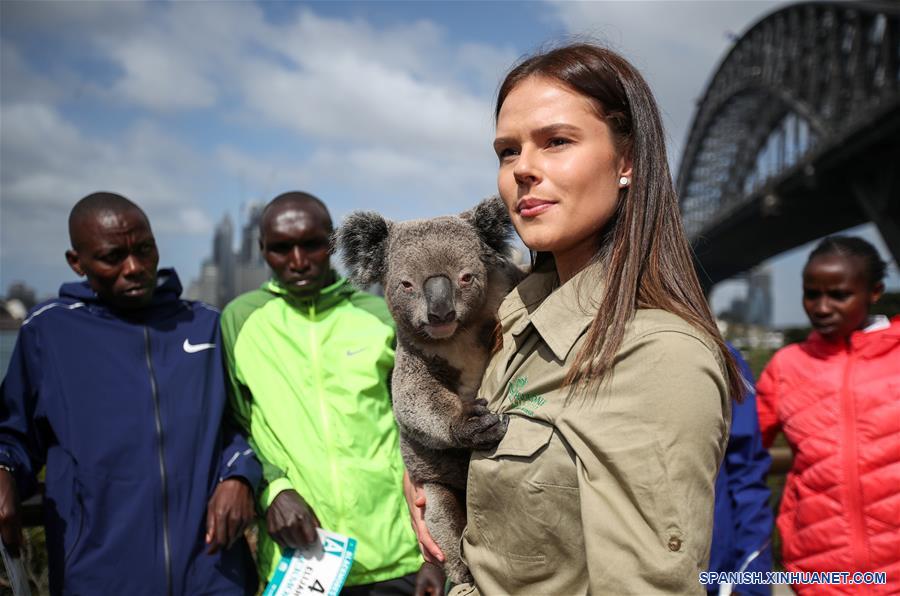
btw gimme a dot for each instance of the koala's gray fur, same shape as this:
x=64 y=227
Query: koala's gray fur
x=451 y=269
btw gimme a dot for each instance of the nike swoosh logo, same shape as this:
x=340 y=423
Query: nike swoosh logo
x=194 y=348
x=355 y=352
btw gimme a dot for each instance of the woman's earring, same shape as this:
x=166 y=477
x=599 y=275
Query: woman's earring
x=623 y=181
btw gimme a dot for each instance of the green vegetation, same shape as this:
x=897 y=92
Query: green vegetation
x=34 y=554
x=757 y=358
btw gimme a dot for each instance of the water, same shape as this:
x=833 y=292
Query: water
x=7 y=343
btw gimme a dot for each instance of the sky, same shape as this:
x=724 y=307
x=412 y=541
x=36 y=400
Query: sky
x=197 y=109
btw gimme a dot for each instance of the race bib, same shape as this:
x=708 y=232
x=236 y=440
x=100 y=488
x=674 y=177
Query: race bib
x=317 y=569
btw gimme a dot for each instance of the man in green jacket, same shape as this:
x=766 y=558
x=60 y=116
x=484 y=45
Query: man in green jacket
x=309 y=359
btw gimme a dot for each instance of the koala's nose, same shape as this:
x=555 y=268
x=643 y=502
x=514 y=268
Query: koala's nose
x=439 y=298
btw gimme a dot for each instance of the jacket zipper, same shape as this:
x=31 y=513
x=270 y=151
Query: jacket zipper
x=80 y=528
x=851 y=468
x=323 y=413
x=162 y=464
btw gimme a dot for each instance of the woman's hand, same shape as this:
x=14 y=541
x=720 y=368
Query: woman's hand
x=415 y=500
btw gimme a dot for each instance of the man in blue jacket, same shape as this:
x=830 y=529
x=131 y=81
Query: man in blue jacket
x=742 y=521
x=118 y=387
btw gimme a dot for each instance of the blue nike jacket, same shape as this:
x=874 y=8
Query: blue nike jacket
x=127 y=415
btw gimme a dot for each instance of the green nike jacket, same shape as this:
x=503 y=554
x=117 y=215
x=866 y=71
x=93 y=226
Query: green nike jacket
x=309 y=381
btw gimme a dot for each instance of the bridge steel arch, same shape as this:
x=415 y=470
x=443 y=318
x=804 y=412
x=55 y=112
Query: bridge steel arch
x=796 y=136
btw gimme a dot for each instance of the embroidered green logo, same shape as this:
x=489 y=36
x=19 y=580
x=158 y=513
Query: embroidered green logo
x=521 y=400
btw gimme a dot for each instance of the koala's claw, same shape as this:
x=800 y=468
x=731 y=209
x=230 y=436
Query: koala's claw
x=476 y=411
x=478 y=427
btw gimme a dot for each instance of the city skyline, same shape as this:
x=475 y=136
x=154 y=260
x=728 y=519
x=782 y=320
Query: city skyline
x=231 y=269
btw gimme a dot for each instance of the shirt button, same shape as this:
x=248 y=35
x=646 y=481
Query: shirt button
x=674 y=543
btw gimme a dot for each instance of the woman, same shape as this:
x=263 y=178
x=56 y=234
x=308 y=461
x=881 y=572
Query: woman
x=611 y=367
x=836 y=396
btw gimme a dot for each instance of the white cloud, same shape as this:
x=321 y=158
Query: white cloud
x=487 y=63
x=37 y=149
x=335 y=80
x=19 y=82
x=401 y=184
x=409 y=47
x=157 y=77
x=354 y=99
x=344 y=81
x=421 y=185
x=185 y=220
x=329 y=78
x=261 y=177
x=179 y=55
x=48 y=164
x=73 y=20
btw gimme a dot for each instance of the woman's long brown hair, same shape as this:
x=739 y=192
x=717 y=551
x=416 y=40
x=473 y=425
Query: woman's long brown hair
x=648 y=260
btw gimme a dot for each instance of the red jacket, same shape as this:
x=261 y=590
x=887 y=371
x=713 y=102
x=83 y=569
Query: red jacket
x=839 y=407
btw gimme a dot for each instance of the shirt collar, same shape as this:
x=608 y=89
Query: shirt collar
x=559 y=314
x=876 y=323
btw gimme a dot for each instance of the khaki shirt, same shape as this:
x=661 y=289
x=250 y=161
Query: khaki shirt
x=609 y=493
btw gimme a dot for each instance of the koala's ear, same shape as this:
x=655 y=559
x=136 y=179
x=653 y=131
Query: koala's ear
x=491 y=220
x=362 y=239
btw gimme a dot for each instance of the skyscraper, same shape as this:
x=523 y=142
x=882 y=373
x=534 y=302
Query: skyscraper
x=223 y=258
x=759 y=297
x=250 y=253
x=251 y=269
x=228 y=273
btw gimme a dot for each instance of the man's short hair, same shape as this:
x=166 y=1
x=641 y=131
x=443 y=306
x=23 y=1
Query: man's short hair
x=95 y=203
x=301 y=200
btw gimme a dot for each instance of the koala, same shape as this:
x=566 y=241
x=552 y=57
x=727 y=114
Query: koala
x=443 y=279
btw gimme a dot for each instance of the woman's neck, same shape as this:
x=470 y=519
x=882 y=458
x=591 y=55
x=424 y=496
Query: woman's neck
x=569 y=263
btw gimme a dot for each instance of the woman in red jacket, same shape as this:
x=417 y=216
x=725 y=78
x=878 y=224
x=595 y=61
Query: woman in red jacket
x=836 y=397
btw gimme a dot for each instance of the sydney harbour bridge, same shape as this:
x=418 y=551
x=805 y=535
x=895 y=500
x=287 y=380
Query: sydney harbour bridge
x=797 y=136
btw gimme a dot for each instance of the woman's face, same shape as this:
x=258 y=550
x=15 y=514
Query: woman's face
x=837 y=295
x=559 y=170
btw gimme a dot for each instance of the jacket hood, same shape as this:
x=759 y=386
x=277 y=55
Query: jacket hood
x=168 y=290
